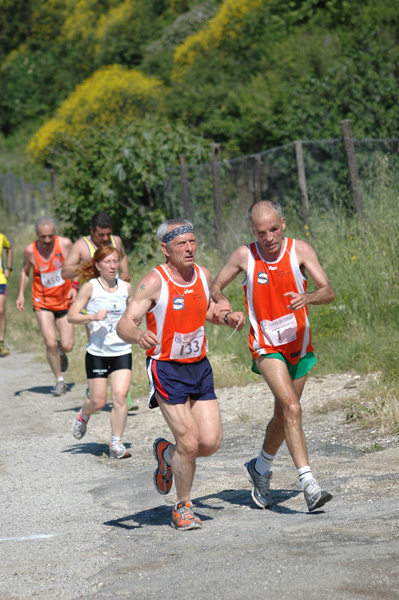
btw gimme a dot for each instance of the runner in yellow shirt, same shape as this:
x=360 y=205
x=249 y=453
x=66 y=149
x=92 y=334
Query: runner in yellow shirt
x=4 y=275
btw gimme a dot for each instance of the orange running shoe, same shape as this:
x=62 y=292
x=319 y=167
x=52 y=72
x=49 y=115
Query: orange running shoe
x=184 y=518
x=163 y=476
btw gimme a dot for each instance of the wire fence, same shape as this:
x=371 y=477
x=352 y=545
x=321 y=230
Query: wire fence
x=21 y=201
x=323 y=176
x=333 y=177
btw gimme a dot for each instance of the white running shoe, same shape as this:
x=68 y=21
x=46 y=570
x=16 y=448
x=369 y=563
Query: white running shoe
x=118 y=450
x=315 y=496
x=79 y=428
x=261 y=493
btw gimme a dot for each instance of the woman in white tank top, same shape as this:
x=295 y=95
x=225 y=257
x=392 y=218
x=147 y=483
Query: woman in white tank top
x=100 y=303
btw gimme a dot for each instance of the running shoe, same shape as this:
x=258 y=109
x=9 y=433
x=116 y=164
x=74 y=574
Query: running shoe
x=4 y=351
x=131 y=405
x=315 y=496
x=118 y=450
x=64 y=359
x=59 y=389
x=163 y=476
x=79 y=428
x=183 y=517
x=261 y=493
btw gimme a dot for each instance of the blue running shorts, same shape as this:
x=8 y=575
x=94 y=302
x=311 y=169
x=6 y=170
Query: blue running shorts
x=175 y=382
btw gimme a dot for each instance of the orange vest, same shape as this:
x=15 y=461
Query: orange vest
x=178 y=319
x=274 y=327
x=49 y=290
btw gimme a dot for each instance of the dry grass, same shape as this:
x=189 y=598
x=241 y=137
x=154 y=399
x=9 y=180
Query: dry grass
x=377 y=407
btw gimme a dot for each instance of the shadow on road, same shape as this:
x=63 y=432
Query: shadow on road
x=161 y=515
x=91 y=448
x=45 y=389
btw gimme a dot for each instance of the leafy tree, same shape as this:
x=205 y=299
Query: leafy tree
x=119 y=170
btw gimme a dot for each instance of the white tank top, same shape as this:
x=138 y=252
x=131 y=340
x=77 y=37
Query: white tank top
x=104 y=341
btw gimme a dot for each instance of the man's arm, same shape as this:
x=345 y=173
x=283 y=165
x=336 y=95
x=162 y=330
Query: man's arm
x=144 y=297
x=324 y=294
x=73 y=261
x=237 y=262
x=24 y=276
x=66 y=247
x=123 y=265
x=233 y=320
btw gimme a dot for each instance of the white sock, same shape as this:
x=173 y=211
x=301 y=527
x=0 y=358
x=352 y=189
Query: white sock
x=264 y=462
x=60 y=378
x=83 y=417
x=115 y=438
x=305 y=474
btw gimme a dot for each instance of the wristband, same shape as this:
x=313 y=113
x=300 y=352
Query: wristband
x=75 y=285
x=225 y=317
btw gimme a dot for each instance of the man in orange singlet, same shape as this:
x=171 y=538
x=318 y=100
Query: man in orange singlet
x=175 y=299
x=280 y=342
x=84 y=248
x=51 y=295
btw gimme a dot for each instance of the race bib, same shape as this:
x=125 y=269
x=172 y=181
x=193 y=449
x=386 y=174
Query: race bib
x=52 y=279
x=112 y=320
x=187 y=345
x=280 y=331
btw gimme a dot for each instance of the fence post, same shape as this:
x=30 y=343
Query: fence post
x=258 y=178
x=185 y=186
x=356 y=184
x=302 y=182
x=217 y=193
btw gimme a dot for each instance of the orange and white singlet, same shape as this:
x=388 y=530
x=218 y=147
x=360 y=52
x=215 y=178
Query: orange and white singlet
x=178 y=319
x=274 y=327
x=49 y=289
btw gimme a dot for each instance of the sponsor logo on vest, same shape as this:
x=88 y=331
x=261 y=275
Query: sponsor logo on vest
x=178 y=303
x=263 y=278
x=273 y=268
x=57 y=263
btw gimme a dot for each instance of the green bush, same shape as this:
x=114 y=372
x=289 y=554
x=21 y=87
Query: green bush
x=118 y=170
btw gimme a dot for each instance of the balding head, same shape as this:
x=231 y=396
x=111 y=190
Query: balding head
x=259 y=209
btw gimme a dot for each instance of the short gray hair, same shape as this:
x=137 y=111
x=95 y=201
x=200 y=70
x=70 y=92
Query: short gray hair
x=43 y=221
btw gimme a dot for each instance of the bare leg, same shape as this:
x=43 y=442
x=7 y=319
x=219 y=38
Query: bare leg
x=66 y=331
x=286 y=423
x=120 y=383
x=46 y=322
x=2 y=317
x=98 y=396
x=196 y=427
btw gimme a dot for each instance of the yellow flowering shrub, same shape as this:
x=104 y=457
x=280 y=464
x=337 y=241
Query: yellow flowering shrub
x=115 y=23
x=82 y=18
x=111 y=95
x=226 y=23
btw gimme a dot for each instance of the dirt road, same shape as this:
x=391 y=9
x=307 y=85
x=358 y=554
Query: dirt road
x=78 y=525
